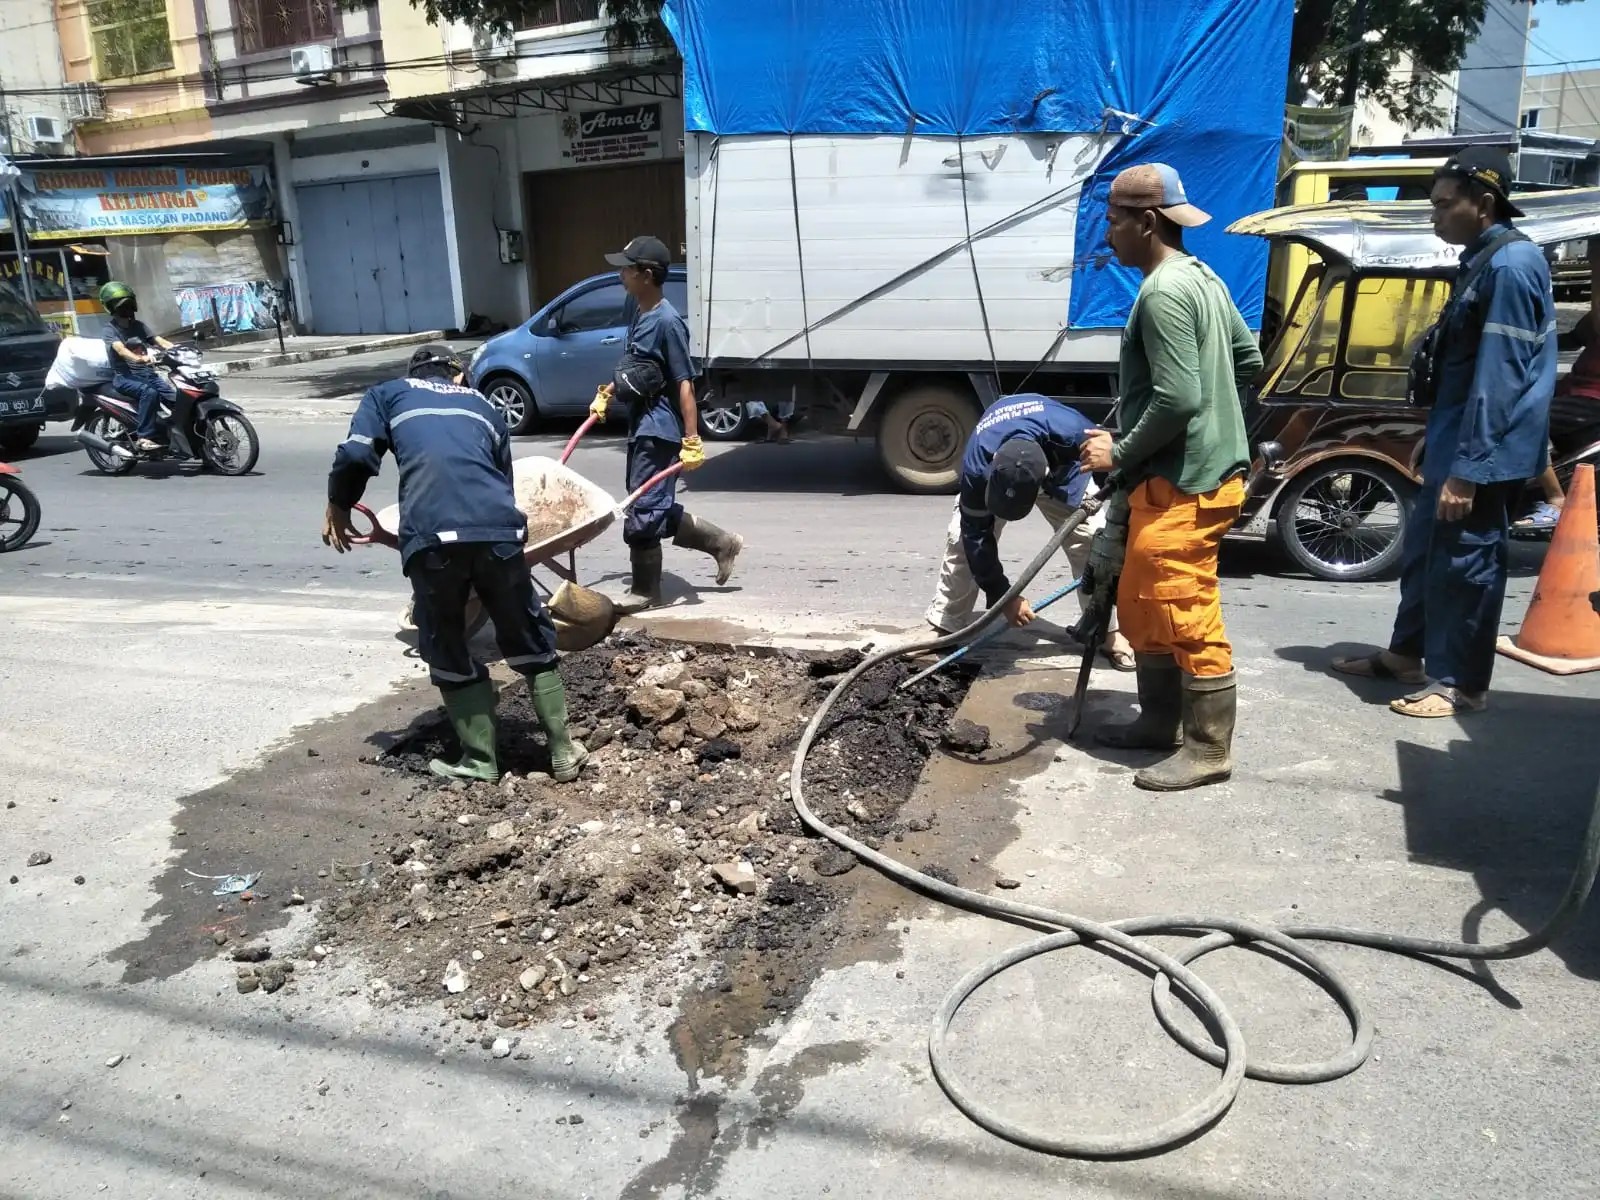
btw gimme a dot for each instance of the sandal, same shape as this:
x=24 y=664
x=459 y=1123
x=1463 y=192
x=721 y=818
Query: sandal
x=1440 y=700
x=1118 y=658
x=1372 y=666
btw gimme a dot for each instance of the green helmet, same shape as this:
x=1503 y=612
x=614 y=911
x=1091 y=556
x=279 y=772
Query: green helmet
x=116 y=296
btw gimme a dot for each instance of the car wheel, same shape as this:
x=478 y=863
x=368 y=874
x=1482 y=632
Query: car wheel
x=514 y=401
x=1344 y=521
x=923 y=435
x=722 y=420
x=19 y=438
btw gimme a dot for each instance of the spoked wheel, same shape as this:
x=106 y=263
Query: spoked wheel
x=103 y=425
x=1345 y=521
x=231 y=446
x=19 y=513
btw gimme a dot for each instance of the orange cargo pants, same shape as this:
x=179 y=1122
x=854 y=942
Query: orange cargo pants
x=1168 y=601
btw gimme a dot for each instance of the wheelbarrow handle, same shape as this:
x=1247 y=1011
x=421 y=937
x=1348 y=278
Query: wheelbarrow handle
x=658 y=477
x=377 y=535
x=578 y=437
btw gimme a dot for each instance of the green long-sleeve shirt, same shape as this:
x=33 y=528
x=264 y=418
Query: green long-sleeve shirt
x=1186 y=355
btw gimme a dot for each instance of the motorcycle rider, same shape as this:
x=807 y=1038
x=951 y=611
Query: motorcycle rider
x=460 y=531
x=129 y=343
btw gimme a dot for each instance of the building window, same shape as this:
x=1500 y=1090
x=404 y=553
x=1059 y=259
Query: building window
x=278 y=24
x=1562 y=173
x=544 y=13
x=130 y=37
x=1530 y=118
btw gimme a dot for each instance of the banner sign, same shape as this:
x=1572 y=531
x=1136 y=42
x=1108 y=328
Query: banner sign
x=97 y=202
x=611 y=135
x=1315 y=134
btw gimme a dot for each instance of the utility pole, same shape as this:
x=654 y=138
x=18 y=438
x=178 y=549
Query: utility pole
x=19 y=236
x=1352 y=72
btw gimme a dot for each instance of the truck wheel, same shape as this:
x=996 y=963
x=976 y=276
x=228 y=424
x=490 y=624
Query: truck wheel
x=923 y=435
x=19 y=438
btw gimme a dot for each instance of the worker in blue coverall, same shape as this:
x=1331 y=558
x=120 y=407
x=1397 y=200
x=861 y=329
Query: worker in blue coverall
x=1494 y=375
x=655 y=379
x=1023 y=454
x=460 y=531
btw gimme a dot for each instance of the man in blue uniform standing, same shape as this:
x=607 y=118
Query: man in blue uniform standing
x=1023 y=454
x=1494 y=372
x=656 y=380
x=460 y=531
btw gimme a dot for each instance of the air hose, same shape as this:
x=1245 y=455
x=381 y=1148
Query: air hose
x=1123 y=940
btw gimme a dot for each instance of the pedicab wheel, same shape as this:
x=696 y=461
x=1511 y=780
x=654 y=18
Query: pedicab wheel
x=1344 y=521
x=19 y=513
x=231 y=446
x=103 y=426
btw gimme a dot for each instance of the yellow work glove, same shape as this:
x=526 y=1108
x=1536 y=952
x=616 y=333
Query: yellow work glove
x=693 y=454
x=602 y=400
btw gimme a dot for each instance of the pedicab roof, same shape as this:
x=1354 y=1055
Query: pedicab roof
x=1372 y=236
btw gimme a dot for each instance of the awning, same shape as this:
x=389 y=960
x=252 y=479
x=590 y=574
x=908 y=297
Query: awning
x=1371 y=236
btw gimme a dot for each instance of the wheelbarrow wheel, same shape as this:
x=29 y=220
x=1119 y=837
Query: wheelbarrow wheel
x=477 y=617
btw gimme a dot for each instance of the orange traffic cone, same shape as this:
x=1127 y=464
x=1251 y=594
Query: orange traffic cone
x=1561 y=632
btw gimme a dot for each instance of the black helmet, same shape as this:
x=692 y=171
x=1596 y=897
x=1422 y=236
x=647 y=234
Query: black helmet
x=435 y=361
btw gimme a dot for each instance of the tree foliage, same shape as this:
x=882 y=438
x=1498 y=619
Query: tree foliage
x=634 y=23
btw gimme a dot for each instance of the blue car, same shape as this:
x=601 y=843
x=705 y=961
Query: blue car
x=550 y=365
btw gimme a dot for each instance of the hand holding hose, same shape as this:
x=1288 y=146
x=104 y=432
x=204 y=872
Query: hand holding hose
x=693 y=454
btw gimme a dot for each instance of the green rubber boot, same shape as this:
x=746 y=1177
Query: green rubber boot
x=1159 y=725
x=471 y=710
x=550 y=702
x=1210 y=705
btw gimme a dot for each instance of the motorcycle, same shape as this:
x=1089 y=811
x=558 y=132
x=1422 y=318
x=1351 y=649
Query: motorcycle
x=19 y=510
x=197 y=423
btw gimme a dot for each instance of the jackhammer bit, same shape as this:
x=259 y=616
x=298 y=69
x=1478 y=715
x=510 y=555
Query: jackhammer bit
x=1100 y=577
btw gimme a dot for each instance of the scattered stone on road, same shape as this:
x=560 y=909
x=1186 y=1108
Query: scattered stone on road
x=1007 y=883
x=532 y=978
x=79 y=880
x=655 y=705
x=501 y=1048
x=455 y=979
x=942 y=874
x=115 y=1060
x=835 y=862
x=39 y=858
x=252 y=954
x=965 y=737
x=501 y=831
x=737 y=877
x=247 y=982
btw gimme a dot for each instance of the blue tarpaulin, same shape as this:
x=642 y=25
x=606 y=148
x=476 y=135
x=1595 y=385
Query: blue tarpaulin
x=1204 y=79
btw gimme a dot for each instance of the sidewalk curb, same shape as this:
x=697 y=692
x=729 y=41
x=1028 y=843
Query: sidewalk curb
x=261 y=362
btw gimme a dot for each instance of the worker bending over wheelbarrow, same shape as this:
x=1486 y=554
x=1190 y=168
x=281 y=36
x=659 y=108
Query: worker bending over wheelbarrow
x=460 y=531
x=655 y=379
x=1023 y=455
x=1181 y=459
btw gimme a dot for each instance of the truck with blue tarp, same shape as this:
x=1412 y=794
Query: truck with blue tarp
x=896 y=209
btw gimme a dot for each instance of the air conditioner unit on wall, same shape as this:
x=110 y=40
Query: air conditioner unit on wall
x=489 y=45
x=312 y=64
x=45 y=131
x=85 y=102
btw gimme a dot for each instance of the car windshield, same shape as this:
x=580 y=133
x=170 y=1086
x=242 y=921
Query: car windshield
x=16 y=314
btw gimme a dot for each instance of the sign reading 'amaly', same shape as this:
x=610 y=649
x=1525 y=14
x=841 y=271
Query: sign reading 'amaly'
x=611 y=135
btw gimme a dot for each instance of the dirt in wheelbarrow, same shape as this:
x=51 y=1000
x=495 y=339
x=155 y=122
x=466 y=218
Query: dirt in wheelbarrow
x=674 y=869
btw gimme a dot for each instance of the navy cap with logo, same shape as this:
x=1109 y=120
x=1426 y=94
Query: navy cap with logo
x=1487 y=166
x=642 y=252
x=1019 y=467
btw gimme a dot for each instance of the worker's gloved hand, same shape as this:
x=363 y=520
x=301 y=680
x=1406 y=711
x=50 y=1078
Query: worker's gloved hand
x=602 y=401
x=693 y=454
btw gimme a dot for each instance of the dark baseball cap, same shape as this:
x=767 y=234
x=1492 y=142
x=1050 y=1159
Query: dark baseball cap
x=1486 y=165
x=641 y=252
x=436 y=353
x=1019 y=467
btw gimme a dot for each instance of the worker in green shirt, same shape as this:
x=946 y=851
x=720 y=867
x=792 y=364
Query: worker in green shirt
x=1181 y=461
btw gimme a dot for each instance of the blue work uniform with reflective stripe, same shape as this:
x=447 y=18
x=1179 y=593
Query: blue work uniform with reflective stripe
x=1488 y=426
x=1058 y=430
x=454 y=454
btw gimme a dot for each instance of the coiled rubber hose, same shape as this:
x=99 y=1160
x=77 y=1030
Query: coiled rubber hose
x=1066 y=930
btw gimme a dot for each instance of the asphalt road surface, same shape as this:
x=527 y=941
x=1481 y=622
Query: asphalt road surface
x=169 y=632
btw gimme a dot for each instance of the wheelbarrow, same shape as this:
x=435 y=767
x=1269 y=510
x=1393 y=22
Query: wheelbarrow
x=565 y=511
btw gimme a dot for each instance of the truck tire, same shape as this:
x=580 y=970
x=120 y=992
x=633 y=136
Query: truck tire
x=923 y=435
x=18 y=438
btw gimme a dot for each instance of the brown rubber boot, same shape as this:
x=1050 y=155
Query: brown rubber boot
x=697 y=533
x=1159 y=725
x=1210 y=704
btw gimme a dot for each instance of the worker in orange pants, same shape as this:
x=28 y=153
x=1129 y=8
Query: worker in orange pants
x=1179 y=459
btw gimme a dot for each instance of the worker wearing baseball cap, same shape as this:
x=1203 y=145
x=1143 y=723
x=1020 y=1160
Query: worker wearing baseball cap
x=1022 y=455
x=1494 y=358
x=460 y=531
x=655 y=379
x=1180 y=458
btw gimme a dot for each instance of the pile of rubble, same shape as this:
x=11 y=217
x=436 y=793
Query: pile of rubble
x=678 y=843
